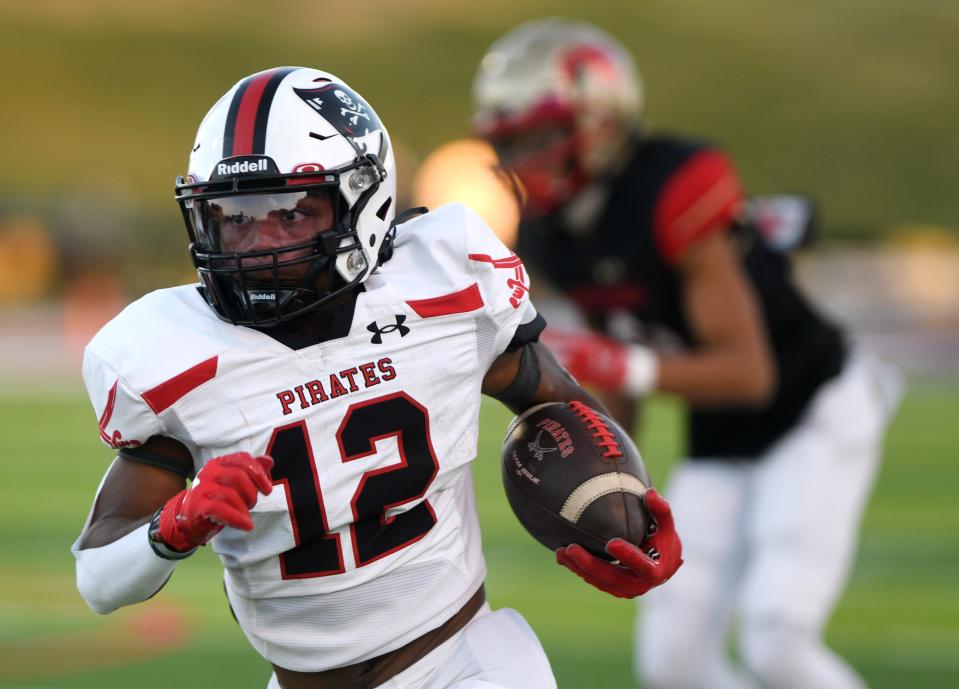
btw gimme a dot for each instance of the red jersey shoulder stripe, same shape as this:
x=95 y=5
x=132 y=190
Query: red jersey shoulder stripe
x=464 y=301
x=166 y=394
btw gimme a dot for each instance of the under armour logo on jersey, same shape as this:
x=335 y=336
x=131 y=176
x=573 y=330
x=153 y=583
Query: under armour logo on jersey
x=378 y=332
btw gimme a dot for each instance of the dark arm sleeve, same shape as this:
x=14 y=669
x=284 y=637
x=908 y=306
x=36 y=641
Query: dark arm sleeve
x=144 y=456
x=526 y=333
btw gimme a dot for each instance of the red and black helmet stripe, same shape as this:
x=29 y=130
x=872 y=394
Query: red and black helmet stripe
x=245 y=131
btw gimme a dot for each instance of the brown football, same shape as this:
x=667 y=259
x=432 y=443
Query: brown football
x=572 y=475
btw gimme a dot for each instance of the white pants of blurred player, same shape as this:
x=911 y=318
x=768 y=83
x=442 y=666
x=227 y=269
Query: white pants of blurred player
x=495 y=650
x=770 y=544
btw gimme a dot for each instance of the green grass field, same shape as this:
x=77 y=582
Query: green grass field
x=898 y=623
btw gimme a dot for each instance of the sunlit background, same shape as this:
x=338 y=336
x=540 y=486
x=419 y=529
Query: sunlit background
x=853 y=101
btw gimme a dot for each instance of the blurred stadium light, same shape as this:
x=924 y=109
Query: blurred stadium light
x=466 y=171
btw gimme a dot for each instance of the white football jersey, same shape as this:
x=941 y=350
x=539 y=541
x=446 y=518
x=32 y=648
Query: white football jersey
x=370 y=536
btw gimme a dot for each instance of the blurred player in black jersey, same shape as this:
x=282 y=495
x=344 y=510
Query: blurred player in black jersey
x=686 y=290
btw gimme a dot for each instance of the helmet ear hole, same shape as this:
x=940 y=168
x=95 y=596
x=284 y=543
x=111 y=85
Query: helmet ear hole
x=382 y=211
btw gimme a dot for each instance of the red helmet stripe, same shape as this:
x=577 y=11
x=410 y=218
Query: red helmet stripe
x=247 y=117
x=263 y=109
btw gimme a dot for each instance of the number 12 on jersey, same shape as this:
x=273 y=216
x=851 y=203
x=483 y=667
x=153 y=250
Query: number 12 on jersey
x=373 y=535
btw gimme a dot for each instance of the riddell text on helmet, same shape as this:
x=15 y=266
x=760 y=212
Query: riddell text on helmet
x=242 y=166
x=336 y=384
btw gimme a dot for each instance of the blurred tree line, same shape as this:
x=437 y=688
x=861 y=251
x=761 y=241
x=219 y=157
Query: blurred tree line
x=853 y=101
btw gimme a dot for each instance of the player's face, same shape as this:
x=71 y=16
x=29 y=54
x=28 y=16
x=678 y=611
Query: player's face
x=268 y=222
x=262 y=222
x=543 y=160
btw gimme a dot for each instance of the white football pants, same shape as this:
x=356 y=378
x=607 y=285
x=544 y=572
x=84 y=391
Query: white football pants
x=770 y=544
x=495 y=650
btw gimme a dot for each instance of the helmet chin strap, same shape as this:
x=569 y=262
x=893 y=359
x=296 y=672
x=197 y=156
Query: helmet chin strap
x=320 y=263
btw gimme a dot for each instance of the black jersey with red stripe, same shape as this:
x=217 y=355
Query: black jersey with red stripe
x=673 y=192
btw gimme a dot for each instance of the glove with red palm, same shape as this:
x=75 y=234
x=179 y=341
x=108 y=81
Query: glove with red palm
x=637 y=570
x=222 y=494
x=602 y=362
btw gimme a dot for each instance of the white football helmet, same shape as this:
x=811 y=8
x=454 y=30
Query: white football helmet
x=560 y=101
x=290 y=197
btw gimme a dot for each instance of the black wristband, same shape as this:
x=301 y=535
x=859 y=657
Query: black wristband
x=161 y=548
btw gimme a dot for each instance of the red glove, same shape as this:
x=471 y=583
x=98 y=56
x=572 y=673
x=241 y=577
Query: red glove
x=639 y=569
x=593 y=359
x=221 y=495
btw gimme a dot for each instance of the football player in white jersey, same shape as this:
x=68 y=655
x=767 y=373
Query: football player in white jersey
x=321 y=385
